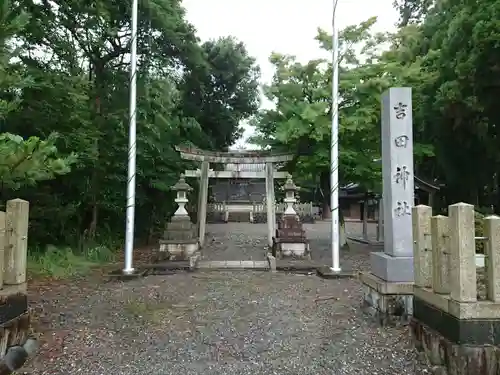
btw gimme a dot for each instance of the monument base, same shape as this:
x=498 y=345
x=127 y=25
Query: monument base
x=291 y=248
x=294 y=249
x=177 y=249
x=290 y=240
x=448 y=357
x=392 y=269
x=388 y=302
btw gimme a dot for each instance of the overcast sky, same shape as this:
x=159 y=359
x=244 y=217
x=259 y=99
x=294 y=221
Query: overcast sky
x=284 y=26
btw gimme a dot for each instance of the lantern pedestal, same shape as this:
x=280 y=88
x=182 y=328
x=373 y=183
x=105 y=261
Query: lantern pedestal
x=290 y=240
x=180 y=239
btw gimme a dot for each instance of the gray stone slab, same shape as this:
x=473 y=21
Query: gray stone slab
x=261 y=264
x=392 y=269
x=327 y=273
x=233 y=264
x=296 y=265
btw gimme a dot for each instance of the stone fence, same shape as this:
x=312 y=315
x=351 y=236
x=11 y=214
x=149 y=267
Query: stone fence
x=15 y=343
x=256 y=212
x=456 y=304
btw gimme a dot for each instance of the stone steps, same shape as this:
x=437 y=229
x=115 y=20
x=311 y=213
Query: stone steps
x=239 y=217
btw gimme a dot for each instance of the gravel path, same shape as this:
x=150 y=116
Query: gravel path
x=215 y=323
x=236 y=241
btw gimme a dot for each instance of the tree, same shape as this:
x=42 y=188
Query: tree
x=23 y=161
x=70 y=79
x=223 y=91
x=301 y=120
x=455 y=46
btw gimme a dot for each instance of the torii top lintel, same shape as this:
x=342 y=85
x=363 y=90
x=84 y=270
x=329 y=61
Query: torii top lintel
x=238 y=157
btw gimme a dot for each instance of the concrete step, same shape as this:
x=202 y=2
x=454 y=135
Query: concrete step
x=233 y=264
x=239 y=217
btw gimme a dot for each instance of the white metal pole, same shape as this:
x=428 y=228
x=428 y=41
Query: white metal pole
x=132 y=145
x=334 y=158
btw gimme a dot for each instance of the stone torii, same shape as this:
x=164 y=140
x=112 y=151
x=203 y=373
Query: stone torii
x=239 y=157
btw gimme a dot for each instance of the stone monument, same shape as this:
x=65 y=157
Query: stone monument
x=388 y=288
x=180 y=239
x=290 y=240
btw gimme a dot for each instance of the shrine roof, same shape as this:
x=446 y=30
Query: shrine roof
x=234 y=157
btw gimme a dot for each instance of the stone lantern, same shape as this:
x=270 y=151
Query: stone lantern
x=290 y=196
x=180 y=239
x=290 y=239
x=182 y=188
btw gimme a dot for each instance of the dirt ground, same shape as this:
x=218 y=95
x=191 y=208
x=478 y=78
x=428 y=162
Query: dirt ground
x=218 y=322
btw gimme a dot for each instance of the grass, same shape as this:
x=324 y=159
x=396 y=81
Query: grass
x=60 y=263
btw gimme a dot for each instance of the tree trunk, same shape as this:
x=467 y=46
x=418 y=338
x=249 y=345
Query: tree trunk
x=95 y=177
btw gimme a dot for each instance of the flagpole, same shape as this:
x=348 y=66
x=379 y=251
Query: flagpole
x=334 y=147
x=129 y=224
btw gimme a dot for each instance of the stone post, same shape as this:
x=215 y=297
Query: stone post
x=3 y=245
x=422 y=246
x=16 y=242
x=492 y=233
x=202 y=202
x=270 y=203
x=440 y=232
x=463 y=283
x=395 y=264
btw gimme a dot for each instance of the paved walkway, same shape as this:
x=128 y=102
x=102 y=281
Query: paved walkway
x=234 y=323
x=248 y=242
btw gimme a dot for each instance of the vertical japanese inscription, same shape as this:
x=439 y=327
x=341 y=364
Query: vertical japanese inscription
x=402 y=175
x=402 y=208
x=401 y=141
x=398 y=171
x=400 y=110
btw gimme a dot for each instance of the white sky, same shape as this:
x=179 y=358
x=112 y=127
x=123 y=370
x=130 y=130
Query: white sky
x=284 y=26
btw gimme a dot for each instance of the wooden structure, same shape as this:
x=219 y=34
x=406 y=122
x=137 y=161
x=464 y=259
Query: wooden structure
x=240 y=189
x=358 y=204
x=456 y=304
x=15 y=343
x=306 y=211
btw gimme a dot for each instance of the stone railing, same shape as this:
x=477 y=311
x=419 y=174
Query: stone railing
x=219 y=212
x=456 y=304
x=15 y=343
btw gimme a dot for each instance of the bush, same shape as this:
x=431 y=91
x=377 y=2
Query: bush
x=61 y=263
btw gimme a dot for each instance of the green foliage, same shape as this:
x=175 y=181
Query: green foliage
x=301 y=120
x=26 y=162
x=64 y=107
x=23 y=162
x=447 y=52
x=59 y=263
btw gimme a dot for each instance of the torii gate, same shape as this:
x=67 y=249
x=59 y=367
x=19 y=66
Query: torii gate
x=238 y=157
